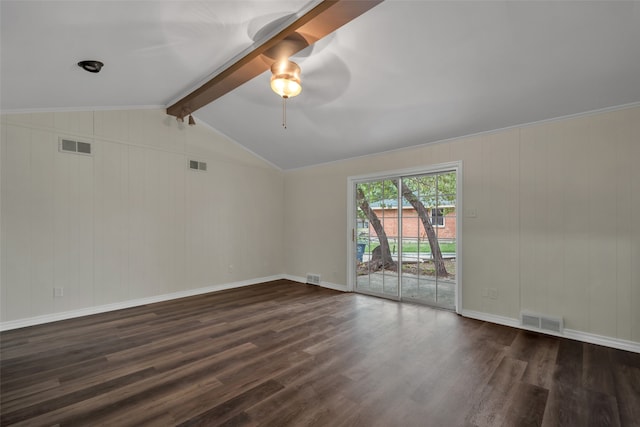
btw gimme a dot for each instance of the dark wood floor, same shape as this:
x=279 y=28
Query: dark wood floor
x=282 y=353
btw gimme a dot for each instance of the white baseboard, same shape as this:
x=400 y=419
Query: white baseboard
x=602 y=340
x=54 y=317
x=493 y=318
x=568 y=333
x=487 y=317
x=329 y=285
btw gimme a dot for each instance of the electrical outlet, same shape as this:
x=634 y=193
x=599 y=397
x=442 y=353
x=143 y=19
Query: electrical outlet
x=58 y=292
x=493 y=293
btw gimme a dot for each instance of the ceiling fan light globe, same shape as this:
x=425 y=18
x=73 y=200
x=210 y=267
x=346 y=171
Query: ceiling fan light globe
x=286 y=79
x=285 y=87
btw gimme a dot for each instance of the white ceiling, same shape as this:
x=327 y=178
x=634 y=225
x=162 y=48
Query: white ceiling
x=405 y=73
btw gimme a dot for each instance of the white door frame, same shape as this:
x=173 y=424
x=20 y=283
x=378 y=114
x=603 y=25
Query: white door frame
x=351 y=206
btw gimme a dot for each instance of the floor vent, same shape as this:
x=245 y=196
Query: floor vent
x=313 y=279
x=542 y=322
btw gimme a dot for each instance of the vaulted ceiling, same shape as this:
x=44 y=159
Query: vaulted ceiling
x=402 y=74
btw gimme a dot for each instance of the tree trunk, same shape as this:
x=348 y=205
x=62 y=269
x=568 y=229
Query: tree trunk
x=441 y=270
x=381 y=256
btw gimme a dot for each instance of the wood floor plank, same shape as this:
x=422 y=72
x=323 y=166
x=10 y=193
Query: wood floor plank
x=602 y=410
x=596 y=375
x=234 y=406
x=627 y=386
x=527 y=409
x=540 y=353
x=498 y=393
x=566 y=405
x=286 y=354
x=62 y=401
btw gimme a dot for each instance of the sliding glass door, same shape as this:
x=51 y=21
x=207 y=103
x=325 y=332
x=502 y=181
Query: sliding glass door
x=404 y=237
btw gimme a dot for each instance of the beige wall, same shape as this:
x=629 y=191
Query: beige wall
x=131 y=221
x=557 y=229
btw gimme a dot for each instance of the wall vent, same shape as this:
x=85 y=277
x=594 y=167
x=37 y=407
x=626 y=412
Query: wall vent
x=66 y=145
x=542 y=322
x=197 y=166
x=313 y=279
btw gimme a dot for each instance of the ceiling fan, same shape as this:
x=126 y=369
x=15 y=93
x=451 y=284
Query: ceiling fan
x=274 y=53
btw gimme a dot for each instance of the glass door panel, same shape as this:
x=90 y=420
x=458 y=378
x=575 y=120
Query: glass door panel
x=428 y=273
x=377 y=238
x=445 y=220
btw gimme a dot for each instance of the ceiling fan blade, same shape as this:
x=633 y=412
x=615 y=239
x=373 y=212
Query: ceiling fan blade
x=323 y=19
x=325 y=80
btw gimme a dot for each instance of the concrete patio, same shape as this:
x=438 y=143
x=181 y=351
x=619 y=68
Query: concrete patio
x=414 y=287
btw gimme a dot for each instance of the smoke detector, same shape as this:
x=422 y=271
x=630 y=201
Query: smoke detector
x=91 y=66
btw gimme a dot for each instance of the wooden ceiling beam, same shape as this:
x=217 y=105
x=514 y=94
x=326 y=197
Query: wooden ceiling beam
x=322 y=20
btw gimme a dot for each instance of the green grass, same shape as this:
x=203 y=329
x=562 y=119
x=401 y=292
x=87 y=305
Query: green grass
x=412 y=247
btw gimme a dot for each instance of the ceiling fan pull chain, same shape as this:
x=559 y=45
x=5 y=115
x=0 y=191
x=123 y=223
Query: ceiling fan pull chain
x=284 y=112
